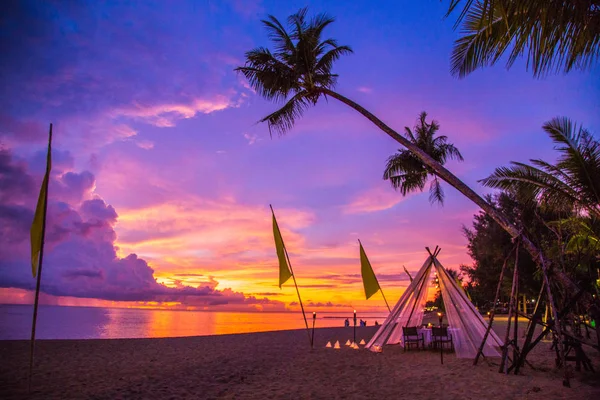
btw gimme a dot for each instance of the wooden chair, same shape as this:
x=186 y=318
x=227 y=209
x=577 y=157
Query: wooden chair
x=410 y=336
x=441 y=336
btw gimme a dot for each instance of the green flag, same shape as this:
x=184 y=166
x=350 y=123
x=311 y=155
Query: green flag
x=284 y=269
x=37 y=226
x=368 y=276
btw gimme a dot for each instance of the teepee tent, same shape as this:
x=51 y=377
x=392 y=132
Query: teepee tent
x=467 y=326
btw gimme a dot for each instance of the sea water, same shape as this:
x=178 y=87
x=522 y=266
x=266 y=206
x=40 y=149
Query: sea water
x=58 y=322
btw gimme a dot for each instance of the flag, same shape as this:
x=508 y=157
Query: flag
x=368 y=276
x=459 y=283
x=39 y=218
x=407 y=273
x=284 y=268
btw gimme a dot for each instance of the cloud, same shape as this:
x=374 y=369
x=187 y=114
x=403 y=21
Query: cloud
x=379 y=198
x=166 y=114
x=81 y=259
x=364 y=89
x=217 y=231
x=251 y=138
x=144 y=144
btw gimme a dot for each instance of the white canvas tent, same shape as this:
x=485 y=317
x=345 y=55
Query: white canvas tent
x=468 y=325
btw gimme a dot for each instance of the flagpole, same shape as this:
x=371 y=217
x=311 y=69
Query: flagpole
x=40 y=264
x=298 y=292
x=384 y=299
x=380 y=289
x=296 y=285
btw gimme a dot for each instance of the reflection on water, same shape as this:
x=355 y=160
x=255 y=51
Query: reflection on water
x=55 y=322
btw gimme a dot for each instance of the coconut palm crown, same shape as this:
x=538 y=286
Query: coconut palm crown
x=299 y=68
x=553 y=35
x=408 y=173
x=572 y=184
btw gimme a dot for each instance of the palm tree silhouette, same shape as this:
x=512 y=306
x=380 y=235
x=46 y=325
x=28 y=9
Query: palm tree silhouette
x=572 y=184
x=299 y=72
x=408 y=173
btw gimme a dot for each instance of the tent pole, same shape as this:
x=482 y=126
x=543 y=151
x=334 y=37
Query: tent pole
x=419 y=291
x=388 y=327
x=493 y=312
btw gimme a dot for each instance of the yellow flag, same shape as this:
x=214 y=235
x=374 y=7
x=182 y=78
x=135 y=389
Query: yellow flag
x=368 y=276
x=38 y=224
x=459 y=283
x=284 y=269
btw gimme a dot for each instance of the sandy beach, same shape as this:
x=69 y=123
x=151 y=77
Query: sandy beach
x=272 y=365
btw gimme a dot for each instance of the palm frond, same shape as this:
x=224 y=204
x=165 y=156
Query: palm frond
x=325 y=63
x=270 y=77
x=409 y=135
x=283 y=119
x=451 y=151
x=277 y=33
x=532 y=184
x=554 y=35
x=405 y=172
x=482 y=44
x=579 y=158
x=297 y=70
x=436 y=194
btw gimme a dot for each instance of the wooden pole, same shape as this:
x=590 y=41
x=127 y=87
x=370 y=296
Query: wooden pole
x=516 y=327
x=384 y=299
x=511 y=310
x=287 y=256
x=557 y=327
x=423 y=283
x=298 y=292
x=40 y=264
x=312 y=341
x=536 y=306
x=493 y=312
x=380 y=289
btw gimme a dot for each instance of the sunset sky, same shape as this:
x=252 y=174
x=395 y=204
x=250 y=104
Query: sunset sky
x=162 y=177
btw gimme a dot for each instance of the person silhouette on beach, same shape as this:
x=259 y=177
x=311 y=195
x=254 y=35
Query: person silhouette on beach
x=346 y=322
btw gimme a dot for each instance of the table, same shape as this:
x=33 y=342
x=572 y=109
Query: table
x=426 y=332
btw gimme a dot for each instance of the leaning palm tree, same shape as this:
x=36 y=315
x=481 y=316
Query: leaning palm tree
x=572 y=184
x=407 y=172
x=555 y=35
x=298 y=72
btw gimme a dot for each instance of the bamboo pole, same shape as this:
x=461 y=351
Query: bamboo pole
x=493 y=312
x=557 y=328
x=511 y=310
x=516 y=327
x=424 y=282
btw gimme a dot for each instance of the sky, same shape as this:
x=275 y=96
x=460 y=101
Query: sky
x=162 y=177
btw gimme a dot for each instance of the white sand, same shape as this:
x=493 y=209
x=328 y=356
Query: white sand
x=272 y=365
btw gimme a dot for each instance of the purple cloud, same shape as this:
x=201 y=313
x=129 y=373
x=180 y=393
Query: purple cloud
x=81 y=258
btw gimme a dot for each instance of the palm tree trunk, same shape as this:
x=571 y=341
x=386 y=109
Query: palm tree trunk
x=459 y=185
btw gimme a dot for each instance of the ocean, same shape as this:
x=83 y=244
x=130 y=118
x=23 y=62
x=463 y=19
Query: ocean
x=57 y=322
